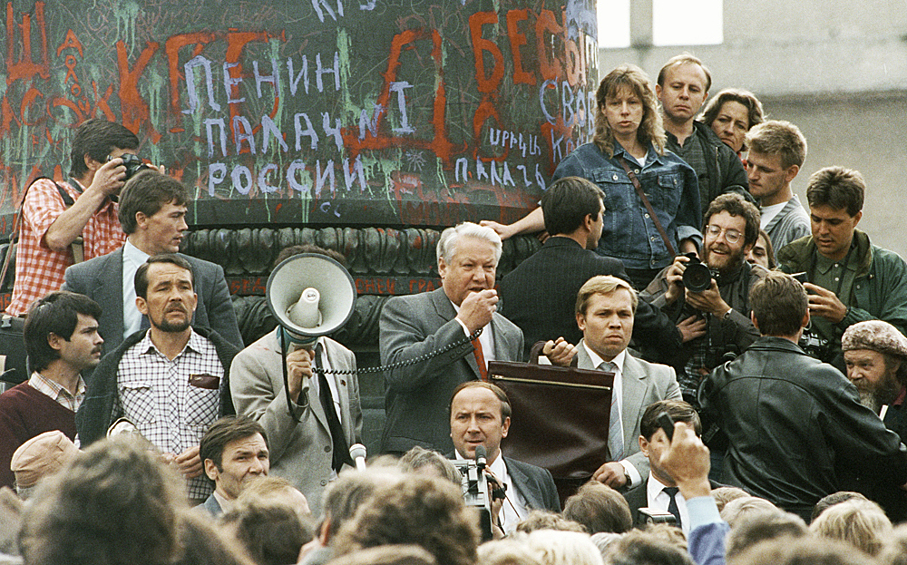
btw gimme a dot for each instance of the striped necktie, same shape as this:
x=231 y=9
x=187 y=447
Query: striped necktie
x=615 y=432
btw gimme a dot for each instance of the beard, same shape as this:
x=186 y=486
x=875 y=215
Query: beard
x=884 y=392
x=175 y=326
x=869 y=400
x=724 y=263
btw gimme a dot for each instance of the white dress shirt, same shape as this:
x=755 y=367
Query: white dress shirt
x=658 y=499
x=617 y=392
x=133 y=257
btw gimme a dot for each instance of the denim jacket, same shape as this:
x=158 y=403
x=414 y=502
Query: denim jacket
x=629 y=234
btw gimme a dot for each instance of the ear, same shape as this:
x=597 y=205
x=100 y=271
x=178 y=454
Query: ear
x=644 y=445
x=791 y=173
x=141 y=305
x=581 y=321
x=657 y=90
x=54 y=341
x=210 y=469
x=442 y=267
x=505 y=427
x=856 y=219
x=753 y=319
x=805 y=321
x=90 y=163
x=141 y=220
x=324 y=536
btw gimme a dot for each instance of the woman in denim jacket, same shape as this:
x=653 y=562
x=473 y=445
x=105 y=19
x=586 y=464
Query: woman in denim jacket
x=629 y=128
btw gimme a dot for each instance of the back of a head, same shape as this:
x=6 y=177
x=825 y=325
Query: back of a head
x=723 y=495
x=642 y=548
x=387 y=555
x=547 y=520
x=830 y=500
x=895 y=550
x=564 y=548
x=762 y=525
x=861 y=523
x=567 y=202
x=779 y=304
x=599 y=508
x=420 y=510
x=351 y=490
x=805 y=551
x=743 y=507
x=120 y=493
x=201 y=543
x=510 y=551
x=426 y=461
x=272 y=532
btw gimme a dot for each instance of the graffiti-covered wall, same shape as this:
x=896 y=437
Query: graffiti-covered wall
x=318 y=112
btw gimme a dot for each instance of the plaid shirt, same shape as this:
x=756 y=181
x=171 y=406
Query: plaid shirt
x=59 y=394
x=155 y=394
x=39 y=269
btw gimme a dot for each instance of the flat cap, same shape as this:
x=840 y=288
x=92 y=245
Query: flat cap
x=41 y=455
x=875 y=335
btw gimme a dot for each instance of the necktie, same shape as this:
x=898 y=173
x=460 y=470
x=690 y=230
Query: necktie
x=341 y=453
x=480 y=359
x=672 y=506
x=615 y=432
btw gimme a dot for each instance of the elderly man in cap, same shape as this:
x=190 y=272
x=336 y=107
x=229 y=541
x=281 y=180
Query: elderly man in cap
x=875 y=354
x=39 y=457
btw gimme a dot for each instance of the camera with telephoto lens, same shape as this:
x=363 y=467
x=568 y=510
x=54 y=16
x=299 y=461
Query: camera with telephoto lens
x=697 y=277
x=133 y=164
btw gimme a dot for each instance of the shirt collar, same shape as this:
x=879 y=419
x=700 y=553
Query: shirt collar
x=54 y=389
x=597 y=360
x=652 y=156
x=133 y=254
x=195 y=344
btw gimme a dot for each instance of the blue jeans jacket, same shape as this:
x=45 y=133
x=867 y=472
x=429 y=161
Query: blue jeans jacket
x=629 y=234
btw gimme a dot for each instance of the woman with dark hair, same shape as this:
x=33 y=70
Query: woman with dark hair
x=732 y=113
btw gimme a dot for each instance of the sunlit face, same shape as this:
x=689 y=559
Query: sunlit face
x=758 y=255
x=869 y=372
x=832 y=230
x=170 y=300
x=683 y=92
x=164 y=230
x=242 y=461
x=731 y=124
x=83 y=348
x=718 y=251
x=471 y=269
x=768 y=178
x=607 y=323
x=624 y=112
x=475 y=419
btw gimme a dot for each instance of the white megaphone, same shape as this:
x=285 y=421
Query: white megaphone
x=311 y=295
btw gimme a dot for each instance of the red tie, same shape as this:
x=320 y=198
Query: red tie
x=480 y=359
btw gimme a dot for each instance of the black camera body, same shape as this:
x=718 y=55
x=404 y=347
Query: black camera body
x=133 y=164
x=653 y=516
x=697 y=277
x=475 y=492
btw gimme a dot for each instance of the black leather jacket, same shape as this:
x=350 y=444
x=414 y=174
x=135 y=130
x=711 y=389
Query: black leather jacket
x=796 y=428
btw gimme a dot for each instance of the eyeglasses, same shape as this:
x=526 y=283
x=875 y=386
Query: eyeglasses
x=732 y=236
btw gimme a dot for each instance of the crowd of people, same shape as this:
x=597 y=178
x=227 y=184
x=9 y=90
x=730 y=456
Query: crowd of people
x=678 y=267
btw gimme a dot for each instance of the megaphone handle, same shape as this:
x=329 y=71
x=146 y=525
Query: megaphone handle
x=294 y=414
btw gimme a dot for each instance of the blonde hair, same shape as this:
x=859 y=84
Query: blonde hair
x=602 y=284
x=651 y=130
x=861 y=523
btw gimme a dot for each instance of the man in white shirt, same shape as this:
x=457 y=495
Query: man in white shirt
x=480 y=415
x=777 y=150
x=605 y=308
x=660 y=491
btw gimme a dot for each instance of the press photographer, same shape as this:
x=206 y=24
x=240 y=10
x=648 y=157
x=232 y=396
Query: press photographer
x=709 y=299
x=480 y=417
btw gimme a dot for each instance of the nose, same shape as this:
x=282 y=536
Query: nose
x=685 y=92
x=752 y=173
x=183 y=226
x=258 y=466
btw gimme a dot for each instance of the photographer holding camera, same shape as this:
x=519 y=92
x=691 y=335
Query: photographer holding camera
x=59 y=221
x=709 y=299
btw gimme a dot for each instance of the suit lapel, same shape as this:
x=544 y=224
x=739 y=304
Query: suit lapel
x=634 y=387
x=343 y=392
x=445 y=312
x=521 y=482
x=110 y=289
x=582 y=358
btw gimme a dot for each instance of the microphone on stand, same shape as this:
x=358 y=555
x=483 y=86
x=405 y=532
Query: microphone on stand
x=357 y=453
x=481 y=457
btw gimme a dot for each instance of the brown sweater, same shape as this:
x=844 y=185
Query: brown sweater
x=24 y=413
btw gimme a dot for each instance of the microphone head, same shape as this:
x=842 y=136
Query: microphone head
x=357 y=450
x=481 y=452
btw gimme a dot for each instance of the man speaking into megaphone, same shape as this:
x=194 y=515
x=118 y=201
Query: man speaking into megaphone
x=311 y=418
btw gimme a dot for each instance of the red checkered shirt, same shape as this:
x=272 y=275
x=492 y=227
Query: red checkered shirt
x=39 y=269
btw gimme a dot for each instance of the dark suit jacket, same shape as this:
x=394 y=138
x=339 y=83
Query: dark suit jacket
x=539 y=296
x=534 y=484
x=638 y=497
x=418 y=395
x=101 y=279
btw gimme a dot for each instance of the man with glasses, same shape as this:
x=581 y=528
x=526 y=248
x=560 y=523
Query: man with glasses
x=714 y=322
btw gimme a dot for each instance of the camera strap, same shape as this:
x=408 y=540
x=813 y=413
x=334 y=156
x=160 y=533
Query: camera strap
x=645 y=200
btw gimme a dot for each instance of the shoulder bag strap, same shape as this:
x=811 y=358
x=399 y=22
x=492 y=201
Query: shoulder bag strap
x=642 y=195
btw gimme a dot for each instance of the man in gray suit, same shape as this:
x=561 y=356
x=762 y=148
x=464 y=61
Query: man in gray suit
x=414 y=327
x=153 y=215
x=605 y=307
x=311 y=444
